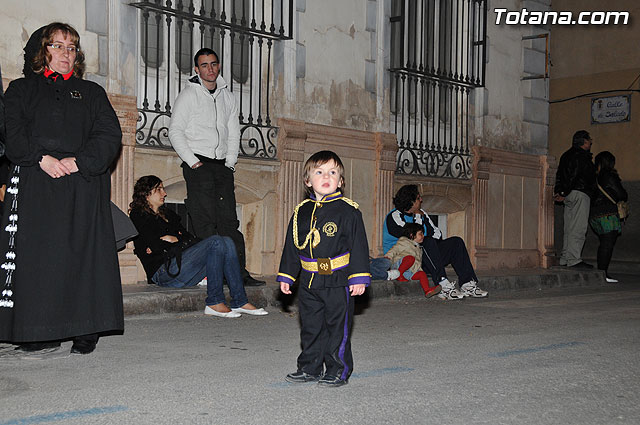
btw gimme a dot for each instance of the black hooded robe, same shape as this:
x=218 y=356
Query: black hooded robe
x=66 y=280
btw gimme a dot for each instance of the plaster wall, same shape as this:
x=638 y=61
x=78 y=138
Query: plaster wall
x=598 y=58
x=335 y=44
x=509 y=115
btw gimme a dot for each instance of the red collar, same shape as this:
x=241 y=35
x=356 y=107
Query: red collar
x=54 y=75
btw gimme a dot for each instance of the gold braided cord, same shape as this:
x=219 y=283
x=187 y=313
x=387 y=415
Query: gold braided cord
x=296 y=240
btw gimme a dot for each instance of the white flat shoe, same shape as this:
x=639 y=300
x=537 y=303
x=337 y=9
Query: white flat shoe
x=211 y=312
x=256 y=312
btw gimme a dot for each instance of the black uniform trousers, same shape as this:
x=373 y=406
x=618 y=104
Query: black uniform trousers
x=211 y=203
x=326 y=317
x=438 y=253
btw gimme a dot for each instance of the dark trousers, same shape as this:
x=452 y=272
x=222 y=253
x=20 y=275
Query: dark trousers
x=605 y=249
x=326 y=317
x=437 y=254
x=211 y=203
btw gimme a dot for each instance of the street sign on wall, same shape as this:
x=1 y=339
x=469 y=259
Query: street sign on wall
x=611 y=109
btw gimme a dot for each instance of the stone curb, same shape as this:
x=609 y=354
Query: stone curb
x=153 y=300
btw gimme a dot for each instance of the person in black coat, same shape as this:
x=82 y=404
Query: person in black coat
x=575 y=185
x=61 y=275
x=604 y=218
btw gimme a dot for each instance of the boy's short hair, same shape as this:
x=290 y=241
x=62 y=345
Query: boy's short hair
x=411 y=230
x=316 y=160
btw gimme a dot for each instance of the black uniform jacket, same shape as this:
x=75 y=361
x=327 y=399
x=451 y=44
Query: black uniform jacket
x=326 y=245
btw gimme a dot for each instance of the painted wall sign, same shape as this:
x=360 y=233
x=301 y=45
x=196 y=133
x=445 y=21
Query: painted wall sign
x=611 y=109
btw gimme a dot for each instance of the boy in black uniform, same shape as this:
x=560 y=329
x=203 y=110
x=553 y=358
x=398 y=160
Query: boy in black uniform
x=326 y=249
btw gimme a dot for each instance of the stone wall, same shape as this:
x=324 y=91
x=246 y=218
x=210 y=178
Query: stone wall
x=512 y=209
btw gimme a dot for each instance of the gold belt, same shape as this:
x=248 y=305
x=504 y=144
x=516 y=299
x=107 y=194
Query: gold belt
x=325 y=266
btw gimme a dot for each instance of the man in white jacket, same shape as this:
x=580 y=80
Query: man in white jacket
x=205 y=133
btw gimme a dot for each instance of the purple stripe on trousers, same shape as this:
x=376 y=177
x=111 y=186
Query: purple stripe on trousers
x=345 y=337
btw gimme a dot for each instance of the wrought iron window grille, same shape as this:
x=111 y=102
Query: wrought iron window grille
x=438 y=55
x=241 y=32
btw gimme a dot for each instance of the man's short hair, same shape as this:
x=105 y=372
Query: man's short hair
x=204 y=52
x=579 y=137
x=405 y=197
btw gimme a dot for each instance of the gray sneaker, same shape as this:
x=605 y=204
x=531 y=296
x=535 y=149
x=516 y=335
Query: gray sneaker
x=449 y=291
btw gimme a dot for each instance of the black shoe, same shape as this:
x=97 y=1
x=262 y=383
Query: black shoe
x=581 y=266
x=251 y=281
x=32 y=347
x=84 y=345
x=300 y=377
x=331 y=381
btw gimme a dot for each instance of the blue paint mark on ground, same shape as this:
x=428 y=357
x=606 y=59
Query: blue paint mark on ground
x=380 y=372
x=366 y=374
x=536 y=349
x=73 y=414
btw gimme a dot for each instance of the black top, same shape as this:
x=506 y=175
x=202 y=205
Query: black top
x=151 y=227
x=576 y=172
x=610 y=182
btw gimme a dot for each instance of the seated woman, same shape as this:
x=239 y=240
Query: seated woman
x=162 y=234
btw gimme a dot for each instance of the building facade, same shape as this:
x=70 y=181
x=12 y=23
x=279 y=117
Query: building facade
x=430 y=92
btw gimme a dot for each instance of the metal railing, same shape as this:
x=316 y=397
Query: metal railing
x=241 y=32
x=437 y=59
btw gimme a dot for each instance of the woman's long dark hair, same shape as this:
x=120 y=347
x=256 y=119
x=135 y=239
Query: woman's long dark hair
x=605 y=162
x=142 y=189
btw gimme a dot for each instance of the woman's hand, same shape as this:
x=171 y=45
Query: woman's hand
x=70 y=163
x=53 y=167
x=169 y=238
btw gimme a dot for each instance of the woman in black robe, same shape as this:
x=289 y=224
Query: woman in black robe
x=60 y=272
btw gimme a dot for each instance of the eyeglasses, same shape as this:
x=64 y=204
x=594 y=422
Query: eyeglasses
x=57 y=47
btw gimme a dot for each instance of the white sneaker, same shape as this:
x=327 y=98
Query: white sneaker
x=470 y=289
x=610 y=279
x=449 y=291
x=393 y=274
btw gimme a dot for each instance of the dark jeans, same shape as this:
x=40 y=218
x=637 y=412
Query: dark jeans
x=378 y=268
x=214 y=258
x=211 y=202
x=605 y=249
x=438 y=253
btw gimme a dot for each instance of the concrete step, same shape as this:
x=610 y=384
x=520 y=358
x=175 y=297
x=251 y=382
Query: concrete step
x=142 y=298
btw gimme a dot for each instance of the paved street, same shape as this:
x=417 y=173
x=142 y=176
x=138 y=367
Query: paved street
x=550 y=357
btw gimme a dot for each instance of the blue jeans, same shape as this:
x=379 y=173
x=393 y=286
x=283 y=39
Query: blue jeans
x=378 y=268
x=214 y=258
